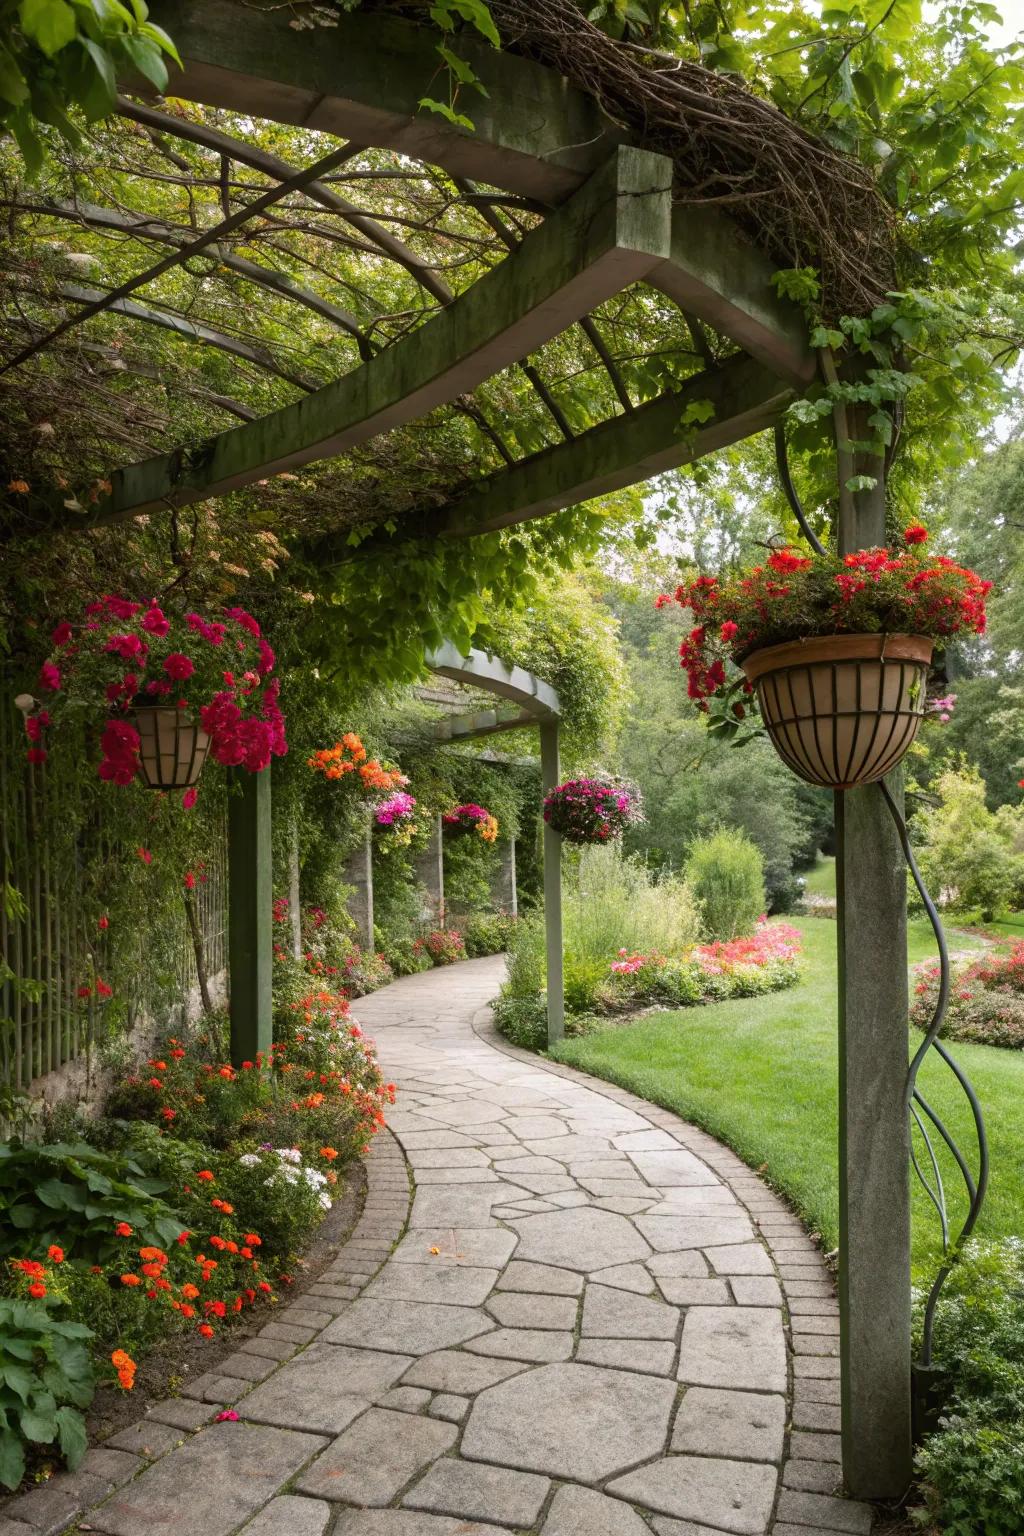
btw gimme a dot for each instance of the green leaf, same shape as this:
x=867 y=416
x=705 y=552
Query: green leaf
x=73 y=1439
x=163 y=40
x=147 y=58
x=12 y=1459
x=51 y=24
x=19 y=1378
x=100 y=94
x=13 y=88
x=41 y=1427
x=457 y=119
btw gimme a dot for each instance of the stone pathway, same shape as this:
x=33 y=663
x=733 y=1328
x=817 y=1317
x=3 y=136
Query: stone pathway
x=596 y=1322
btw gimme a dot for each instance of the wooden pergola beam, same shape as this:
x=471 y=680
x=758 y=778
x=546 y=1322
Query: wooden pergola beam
x=608 y=235
x=533 y=134
x=745 y=397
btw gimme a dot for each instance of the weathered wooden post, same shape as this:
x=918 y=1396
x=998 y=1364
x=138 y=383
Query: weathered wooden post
x=429 y=867
x=250 y=916
x=294 y=891
x=874 y=1138
x=549 y=771
x=358 y=874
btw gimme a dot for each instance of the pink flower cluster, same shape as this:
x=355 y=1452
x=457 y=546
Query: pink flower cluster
x=242 y=740
x=769 y=941
x=592 y=810
x=395 y=808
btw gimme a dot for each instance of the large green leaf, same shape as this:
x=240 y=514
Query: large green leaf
x=50 y=24
x=73 y=1439
x=12 y=1459
x=41 y=1427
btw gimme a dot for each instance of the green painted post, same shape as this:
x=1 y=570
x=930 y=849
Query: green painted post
x=250 y=920
x=552 y=887
x=874 y=1138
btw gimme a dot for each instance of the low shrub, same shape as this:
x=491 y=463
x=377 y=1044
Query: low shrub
x=443 y=946
x=46 y=1381
x=488 y=933
x=524 y=1022
x=726 y=873
x=767 y=961
x=972 y=1468
x=986 y=1000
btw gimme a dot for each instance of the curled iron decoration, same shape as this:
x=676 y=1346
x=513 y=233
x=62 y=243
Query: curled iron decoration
x=785 y=476
x=918 y=1106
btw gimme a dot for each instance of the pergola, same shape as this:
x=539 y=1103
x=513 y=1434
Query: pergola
x=568 y=221
x=528 y=702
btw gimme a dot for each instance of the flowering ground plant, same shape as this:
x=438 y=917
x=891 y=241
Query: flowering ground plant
x=593 y=810
x=986 y=999
x=122 y=654
x=790 y=596
x=472 y=818
x=444 y=946
x=764 y=961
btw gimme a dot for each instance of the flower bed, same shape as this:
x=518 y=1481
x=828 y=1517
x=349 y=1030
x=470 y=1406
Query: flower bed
x=766 y=961
x=443 y=946
x=184 y=1205
x=986 y=999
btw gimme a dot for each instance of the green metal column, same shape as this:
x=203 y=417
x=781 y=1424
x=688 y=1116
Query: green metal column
x=874 y=1139
x=549 y=770
x=250 y=919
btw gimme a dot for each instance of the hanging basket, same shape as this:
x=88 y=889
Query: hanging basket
x=172 y=747
x=841 y=710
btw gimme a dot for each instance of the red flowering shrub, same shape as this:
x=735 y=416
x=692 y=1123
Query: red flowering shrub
x=124 y=653
x=443 y=945
x=791 y=596
x=986 y=999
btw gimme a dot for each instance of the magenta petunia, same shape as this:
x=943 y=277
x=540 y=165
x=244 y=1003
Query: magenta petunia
x=49 y=676
x=179 y=666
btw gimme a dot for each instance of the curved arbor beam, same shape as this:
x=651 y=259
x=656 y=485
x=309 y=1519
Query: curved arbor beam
x=140 y=227
x=610 y=234
x=272 y=165
x=186 y=330
x=534 y=135
x=746 y=398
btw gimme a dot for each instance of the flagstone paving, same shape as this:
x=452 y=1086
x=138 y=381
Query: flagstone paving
x=563 y=1312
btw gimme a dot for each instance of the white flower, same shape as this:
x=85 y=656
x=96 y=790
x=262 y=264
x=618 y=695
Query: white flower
x=249 y=1159
x=325 y=1202
x=289 y=1154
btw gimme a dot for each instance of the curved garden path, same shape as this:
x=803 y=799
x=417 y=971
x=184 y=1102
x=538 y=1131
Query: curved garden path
x=596 y=1322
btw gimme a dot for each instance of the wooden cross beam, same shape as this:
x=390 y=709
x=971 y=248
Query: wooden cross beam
x=609 y=234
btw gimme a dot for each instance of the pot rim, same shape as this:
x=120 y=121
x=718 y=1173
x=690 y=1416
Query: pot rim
x=862 y=646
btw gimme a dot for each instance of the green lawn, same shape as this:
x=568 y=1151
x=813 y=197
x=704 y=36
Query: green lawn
x=760 y=1074
x=821 y=880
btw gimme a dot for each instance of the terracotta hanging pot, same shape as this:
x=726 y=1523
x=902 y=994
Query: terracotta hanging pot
x=841 y=710
x=172 y=746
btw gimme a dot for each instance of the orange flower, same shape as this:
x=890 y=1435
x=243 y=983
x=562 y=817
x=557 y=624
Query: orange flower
x=252 y=1238
x=205 y=1174
x=329 y=1153
x=123 y=1229
x=190 y=1292
x=37 y=1290
x=153 y=1255
x=130 y=1280
x=55 y=1254
x=206 y=1330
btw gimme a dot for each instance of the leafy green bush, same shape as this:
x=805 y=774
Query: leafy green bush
x=973 y=1467
x=524 y=1022
x=615 y=902
x=488 y=933
x=726 y=873
x=46 y=1379
x=70 y=1194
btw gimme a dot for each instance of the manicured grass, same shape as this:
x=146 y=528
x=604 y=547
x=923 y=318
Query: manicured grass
x=760 y=1074
x=821 y=880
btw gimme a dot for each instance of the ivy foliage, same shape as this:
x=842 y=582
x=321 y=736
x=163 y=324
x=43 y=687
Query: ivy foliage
x=61 y=58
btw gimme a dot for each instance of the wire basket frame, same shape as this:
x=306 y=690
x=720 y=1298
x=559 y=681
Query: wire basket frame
x=842 y=710
x=172 y=747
